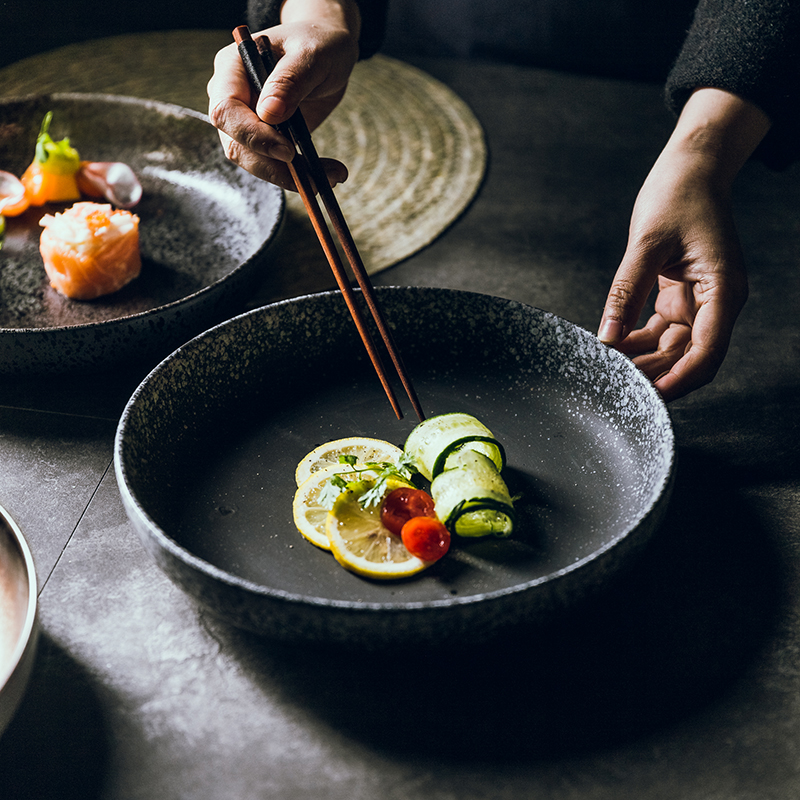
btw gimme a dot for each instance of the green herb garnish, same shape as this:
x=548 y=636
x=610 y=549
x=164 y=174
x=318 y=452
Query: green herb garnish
x=352 y=479
x=58 y=158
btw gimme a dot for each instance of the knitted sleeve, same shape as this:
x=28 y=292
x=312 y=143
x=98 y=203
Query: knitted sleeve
x=750 y=48
x=266 y=13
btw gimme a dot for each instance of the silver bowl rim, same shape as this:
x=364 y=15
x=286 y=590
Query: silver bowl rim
x=30 y=617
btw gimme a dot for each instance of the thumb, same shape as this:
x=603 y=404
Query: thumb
x=287 y=86
x=629 y=291
x=279 y=98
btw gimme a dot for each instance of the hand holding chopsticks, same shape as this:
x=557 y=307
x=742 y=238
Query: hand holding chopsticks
x=308 y=175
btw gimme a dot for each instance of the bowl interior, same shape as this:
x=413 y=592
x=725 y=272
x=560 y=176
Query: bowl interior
x=208 y=445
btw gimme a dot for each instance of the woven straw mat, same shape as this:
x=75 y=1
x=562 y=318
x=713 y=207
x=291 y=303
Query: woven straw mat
x=415 y=152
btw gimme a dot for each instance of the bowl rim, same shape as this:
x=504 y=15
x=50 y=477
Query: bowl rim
x=30 y=616
x=177 y=551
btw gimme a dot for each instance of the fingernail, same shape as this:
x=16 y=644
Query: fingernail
x=610 y=331
x=281 y=152
x=272 y=106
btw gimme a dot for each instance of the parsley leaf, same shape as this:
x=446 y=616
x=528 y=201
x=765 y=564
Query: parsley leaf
x=373 y=495
x=380 y=472
x=405 y=464
x=330 y=490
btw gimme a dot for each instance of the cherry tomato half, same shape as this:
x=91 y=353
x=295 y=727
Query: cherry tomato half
x=426 y=538
x=403 y=504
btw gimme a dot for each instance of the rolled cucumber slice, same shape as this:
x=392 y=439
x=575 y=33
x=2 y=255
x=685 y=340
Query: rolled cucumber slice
x=434 y=442
x=472 y=498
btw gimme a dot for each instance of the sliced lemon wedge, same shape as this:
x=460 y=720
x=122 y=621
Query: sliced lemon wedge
x=363 y=448
x=309 y=516
x=360 y=543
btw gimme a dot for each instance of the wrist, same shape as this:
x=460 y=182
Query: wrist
x=716 y=133
x=343 y=14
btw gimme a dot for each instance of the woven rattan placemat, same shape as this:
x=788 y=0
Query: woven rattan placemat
x=415 y=152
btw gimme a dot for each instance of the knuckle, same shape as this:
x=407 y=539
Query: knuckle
x=622 y=293
x=231 y=150
x=283 y=83
x=218 y=114
x=248 y=139
x=272 y=173
x=236 y=138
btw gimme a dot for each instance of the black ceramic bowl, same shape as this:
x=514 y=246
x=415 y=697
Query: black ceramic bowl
x=18 y=624
x=205 y=229
x=207 y=447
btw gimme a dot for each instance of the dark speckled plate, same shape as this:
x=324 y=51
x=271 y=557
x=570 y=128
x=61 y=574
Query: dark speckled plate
x=205 y=230
x=207 y=447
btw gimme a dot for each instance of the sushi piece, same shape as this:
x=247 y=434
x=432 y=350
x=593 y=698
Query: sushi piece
x=90 y=250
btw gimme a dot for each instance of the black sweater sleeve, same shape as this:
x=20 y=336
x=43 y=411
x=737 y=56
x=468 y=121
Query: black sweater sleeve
x=750 y=48
x=266 y=13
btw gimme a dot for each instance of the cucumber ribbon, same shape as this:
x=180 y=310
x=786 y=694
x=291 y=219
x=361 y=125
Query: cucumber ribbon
x=463 y=460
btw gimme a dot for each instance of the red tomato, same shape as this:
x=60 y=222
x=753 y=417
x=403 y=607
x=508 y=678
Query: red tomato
x=426 y=538
x=403 y=504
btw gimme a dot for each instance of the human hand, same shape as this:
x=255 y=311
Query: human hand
x=682 y=236
x=315 y=58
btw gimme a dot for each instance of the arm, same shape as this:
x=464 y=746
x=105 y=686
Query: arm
x=752 y=50
x=317 y=44
x=682 y=235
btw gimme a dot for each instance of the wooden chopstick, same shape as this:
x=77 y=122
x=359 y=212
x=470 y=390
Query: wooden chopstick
x=307 y=172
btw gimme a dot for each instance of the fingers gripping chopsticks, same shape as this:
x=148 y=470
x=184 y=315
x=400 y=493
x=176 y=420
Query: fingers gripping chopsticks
x=308 y=174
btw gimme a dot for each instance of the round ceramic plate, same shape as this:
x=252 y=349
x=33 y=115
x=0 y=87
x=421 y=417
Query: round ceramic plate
x=207 y=447
x=205 y=228
x=18 y=625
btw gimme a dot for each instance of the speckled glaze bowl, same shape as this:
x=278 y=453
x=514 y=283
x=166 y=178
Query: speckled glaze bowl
x=205 y=230
x=207 y=446
x=18 y=623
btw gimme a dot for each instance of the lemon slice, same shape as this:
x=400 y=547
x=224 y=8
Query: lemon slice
x=309 y=515
x=360 y=543
x=364 y=449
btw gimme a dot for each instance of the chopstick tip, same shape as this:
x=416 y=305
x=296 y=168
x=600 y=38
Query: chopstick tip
x=241 y=33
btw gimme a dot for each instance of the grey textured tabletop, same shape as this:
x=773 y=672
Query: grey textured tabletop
x=681 y=681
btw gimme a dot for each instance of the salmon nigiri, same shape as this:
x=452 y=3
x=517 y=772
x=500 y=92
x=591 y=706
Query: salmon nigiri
x=90 y=250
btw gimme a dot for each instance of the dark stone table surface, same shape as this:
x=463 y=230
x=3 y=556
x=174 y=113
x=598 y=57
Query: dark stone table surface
x=681 y=681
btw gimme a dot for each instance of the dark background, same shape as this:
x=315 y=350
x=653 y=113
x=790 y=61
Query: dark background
x=614 y=38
